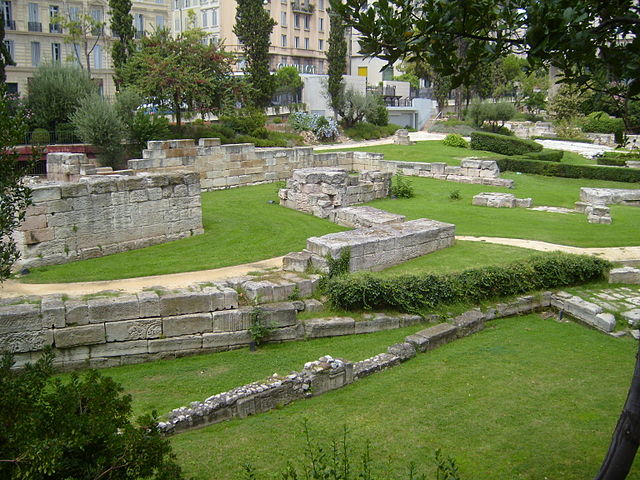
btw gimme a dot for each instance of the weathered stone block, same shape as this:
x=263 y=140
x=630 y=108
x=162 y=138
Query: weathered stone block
x=53 y=312
x=404 y=351
x=632 y=316
x=112 y=309
x=82 y=335
x=183 y=302
x=186 y=324
x=225 y=339
x=149 y=304
x=329 y=327
x=117 y=349
x=25 y=341
x=20 y=318
x=77 y=312
x=629 y=275
x=175 y=344
x=133 y=330
x=280 y=314
x=232 y=320
x=438 y=335
x=381 y=322
x=469 y=322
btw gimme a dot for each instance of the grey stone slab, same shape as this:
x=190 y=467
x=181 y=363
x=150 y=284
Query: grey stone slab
x=469 y=322
x=82 y=335
x=382 y=322
x=111 y=309
x=632 y=316
x=232 y=320
x=225 y=339
x=280 y=314
x=133 y=329
x=25 y=341
x=149 y=304
x=186 y=324
x=184 y=302
x=53 y=312
x=329 y=327
x=77 y=312
x=404 y=351
x=439 y=335
x=117 y=349
x=20 y=318
x=419 y=342
x=175 y=344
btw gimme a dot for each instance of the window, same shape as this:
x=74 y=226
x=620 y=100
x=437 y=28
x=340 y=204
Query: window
x=296 y=20
x=54 y=27
x=306 y=44
x=160 y=21
x=76 y=54
x=177 y=4
x=214 y=17
x=56 y=53
x=321 y=24
x=139 y=24
x=176 y=24
x=8 y=15
x=96 y=14
x=33 y=12
x=205 y=15
x=296 y=42
x=74 y=13
x=97 y=57
x=10 y=46
x=320 y=4
x=321 y=45
x=35 y=54
x=307 y=22
x=363 y=71
x=387 y=73
x=12 y=88
x=283 y=40
x=283 y=19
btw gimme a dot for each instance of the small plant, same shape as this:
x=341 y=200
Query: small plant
x=259 y=328
x=455 y=140
x=295 y=295
x=454 y=195
x=401 y=187
x=340 y=265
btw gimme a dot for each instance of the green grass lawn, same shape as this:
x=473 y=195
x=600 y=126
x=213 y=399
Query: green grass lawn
x=240 y=227
x=525 y=399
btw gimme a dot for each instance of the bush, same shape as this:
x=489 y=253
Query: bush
x=66 y=133
x=97 y=122
x=495 y=114
x=40 y=136
x=553 y=169
x=502 y=144
x=244 y=121
x=377 y=112
x=260 y=132
x=455 y=140
x=413 y=293
x=546 y=155
x=567 y=128
x=55 y=92
x=618 y=159
x=565 y=139
x=601 y=122
x=145 y=127
x=368 y=131
x=401 y=186
x=325 y=129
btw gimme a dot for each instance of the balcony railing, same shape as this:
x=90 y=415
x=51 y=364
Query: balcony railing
x=139 y=34
x=34 y=26
x=55 y=28
x=10 y=24
x=302 y=6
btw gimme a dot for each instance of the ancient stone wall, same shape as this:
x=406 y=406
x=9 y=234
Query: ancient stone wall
x=102 y=215
x=607 y=196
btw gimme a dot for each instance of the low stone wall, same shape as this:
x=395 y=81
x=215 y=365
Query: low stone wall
x=321 y=190
x=607 y=196
x=112 y=329
x=500 y=200
x=103 y=215
x=587 y=312
x=364 y=216
x=625 y=275
x=69 y=167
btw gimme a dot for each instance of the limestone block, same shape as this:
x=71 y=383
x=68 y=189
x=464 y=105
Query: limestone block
x=53 y=312
x=524 y=202
x=313 y=305
x=232 y=320
x=82 y=335
x=77 y=312
x=117 y=349
x=438 y=335
x=33 y=237
x=603 y=321
x=404 y=351
x=225 y=339
x=629 y=275
x=329 y=327
x=381 y=322
x=149 y=304
x=184 y=301
x=25 y=341
x=186 y=324
x=133 y=330
x=111 y=309
x=286 y=334
x=175 y=344
x=280 y=314
x=632 y=316
x=469 y=322
x=296 y=262
x=419 y=342
x=20 y=318
x=75 y=354
x=45 y=193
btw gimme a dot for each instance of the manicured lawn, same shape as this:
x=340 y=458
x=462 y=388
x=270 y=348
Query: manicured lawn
x=240 y=227
x=525 y=399
x=432 y=201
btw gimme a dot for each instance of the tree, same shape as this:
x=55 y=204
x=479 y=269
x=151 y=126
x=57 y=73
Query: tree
x=5 y=56
x=181 y=72
x=15 y=196
x=79 y=428
x=122 y=28
x=288 y=81
x=337 y=62
x=55 y=92
x=253 y=28
x=83 y=30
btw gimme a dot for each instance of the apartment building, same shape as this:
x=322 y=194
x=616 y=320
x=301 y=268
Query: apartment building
x=299 y=39
x=33 y=38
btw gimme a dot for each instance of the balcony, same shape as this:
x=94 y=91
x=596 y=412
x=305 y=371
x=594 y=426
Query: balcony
x=139 y=34
x=302 y=6
x=34 y=26
x=54 y=28
x=10 y=24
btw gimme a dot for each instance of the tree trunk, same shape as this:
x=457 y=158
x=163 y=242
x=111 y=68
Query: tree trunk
x=626 y=437
x=87 y=56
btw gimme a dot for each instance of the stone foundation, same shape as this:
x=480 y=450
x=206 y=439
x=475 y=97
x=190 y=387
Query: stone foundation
x=99 y=216
x=500 y=200
x=608 y=196
x=625 y=275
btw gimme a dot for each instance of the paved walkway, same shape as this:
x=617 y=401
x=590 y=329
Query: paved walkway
x=14 y=288
x=414 y=136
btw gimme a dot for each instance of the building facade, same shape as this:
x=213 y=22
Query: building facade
x=34 y=38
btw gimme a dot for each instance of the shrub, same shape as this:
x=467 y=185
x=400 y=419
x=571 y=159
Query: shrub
x=97 y=122
x=401 y=186
x=55 y=92
x=145 y=127
x=566 y=139
x=413 y=293
x=368 y=131
x=455 y=140
x=66 y=133
x=454 y=195
x=502 y=144
x=566 y=128
x=260 y=132
x=377 y=112
x=244 y=121
x=260 y=328
x=40 y=136
x=553 y=169
x=495 y=114
x=324 y=128
x=546 y=155
x=617 y=159
x=601 y=122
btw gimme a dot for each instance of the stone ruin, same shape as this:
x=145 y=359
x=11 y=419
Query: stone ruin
x=401 y=137
x=500 y=200
x=593 y=202
x=319 y=191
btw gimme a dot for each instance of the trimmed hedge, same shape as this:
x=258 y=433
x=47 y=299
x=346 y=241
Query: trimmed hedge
x=546 y=155
x=413 y=293
x=553 y=169
x=611 y=161
x=493 y=142
x=563 y=139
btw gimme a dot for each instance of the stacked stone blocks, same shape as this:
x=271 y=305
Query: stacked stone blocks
x=500 y=200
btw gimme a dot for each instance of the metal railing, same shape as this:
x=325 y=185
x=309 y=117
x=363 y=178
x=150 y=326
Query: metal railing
x=10 y=24
x=34 y=26
x=55 y=28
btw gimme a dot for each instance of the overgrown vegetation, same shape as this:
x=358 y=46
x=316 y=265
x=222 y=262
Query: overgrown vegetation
x=502 y=144
x=401 y=186
x=369 y=131
x=455 y=140
x=414 y=293
x=259 y=328
x=554 y=169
